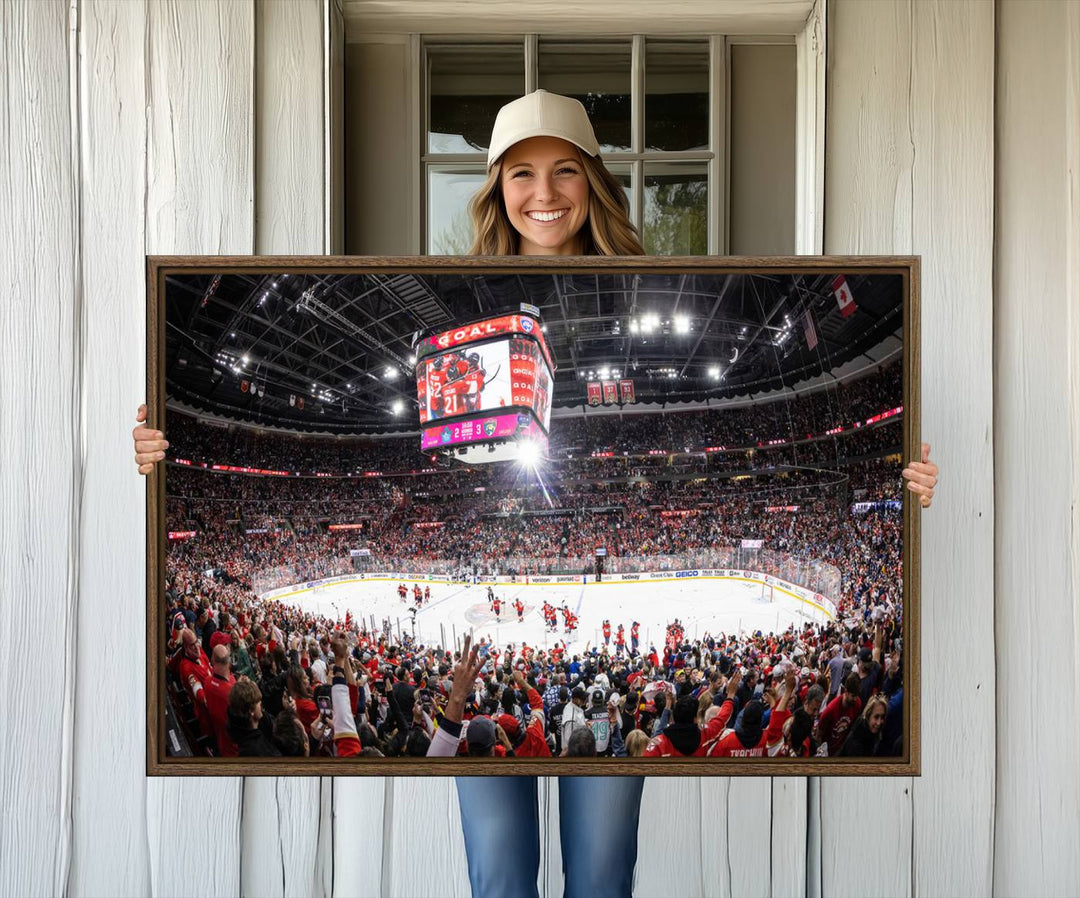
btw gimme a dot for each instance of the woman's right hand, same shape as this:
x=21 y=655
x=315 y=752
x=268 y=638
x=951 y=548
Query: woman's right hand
x=150 y=445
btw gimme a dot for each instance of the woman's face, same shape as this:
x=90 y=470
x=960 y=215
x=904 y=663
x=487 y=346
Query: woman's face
x=877 y=719
x=546 y=195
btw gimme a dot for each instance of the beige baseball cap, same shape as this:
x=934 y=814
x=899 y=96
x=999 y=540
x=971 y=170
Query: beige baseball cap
x=541 y=114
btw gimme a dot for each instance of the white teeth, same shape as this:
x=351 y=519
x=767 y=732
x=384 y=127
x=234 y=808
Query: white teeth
x=546 y=216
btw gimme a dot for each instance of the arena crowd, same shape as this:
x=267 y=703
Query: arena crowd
x=261 y=678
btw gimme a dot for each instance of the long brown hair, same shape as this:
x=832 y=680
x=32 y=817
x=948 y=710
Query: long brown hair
x=607 y=231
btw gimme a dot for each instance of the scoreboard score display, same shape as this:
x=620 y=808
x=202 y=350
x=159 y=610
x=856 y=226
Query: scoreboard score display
x=484 y=390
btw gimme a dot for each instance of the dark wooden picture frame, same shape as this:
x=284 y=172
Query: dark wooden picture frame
x=157 y=761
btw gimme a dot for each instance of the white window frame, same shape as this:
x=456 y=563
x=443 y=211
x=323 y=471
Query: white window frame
x=810 y=126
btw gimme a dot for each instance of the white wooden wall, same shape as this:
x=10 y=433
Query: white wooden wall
x=200 y=127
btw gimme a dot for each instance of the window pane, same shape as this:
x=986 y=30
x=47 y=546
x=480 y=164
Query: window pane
x=466 y=87
x=449 y=191
x=624 y=176
x=676 y=209
x=676 y=95
x=597 y=74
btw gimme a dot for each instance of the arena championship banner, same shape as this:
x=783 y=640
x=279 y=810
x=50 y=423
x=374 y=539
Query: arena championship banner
x=608 y=516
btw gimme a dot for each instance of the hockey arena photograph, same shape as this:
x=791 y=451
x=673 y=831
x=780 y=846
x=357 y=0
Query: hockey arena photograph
x=578 y=517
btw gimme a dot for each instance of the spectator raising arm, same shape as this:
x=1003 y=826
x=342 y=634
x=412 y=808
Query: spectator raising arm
x=465 y=672
x=346 y=739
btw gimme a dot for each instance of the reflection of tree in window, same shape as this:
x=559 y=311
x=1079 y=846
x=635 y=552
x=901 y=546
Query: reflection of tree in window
x=471 y=118
x=455 y=239
x=677 y=122
x=468 y=84
x=610 y=117
x=676 y=215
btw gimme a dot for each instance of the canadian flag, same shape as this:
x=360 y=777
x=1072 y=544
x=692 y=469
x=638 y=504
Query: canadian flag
x=844 y=299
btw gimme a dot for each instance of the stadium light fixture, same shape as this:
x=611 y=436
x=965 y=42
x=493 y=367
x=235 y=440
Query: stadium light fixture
x=528 y=453
x=714 y=372
x=391 y=372
x=633 y=327
x=398 y=407
x=682 y=324
x=244 y=360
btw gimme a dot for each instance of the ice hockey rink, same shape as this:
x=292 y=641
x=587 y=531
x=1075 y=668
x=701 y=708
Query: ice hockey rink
x=705 y=605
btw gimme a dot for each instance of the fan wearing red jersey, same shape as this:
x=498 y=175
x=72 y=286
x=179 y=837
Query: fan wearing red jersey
x=684 y=738
x=835 y=722
x=217 y=691
x=192 y=666
x=749 y=739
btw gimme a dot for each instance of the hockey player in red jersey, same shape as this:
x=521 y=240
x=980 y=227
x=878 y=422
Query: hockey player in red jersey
x=520 y=609
x=436 y=380
x=607 y=632
x=571 y=622
x=454 y=392
x=474 y=382
x=496 y=606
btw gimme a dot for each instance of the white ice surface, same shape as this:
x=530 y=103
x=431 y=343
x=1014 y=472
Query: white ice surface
x=704 y=605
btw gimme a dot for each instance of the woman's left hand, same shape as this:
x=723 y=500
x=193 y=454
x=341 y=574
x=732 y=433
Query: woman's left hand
x=922 y=477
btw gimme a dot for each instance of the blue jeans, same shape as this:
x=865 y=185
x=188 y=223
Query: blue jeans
x=598 y=823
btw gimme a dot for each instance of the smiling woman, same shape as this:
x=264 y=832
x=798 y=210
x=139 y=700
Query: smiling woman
x=546 y=196
x=547 y=190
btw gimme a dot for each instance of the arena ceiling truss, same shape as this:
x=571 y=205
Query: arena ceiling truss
x=333 y=353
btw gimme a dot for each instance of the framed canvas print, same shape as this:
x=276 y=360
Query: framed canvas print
x=474 y=516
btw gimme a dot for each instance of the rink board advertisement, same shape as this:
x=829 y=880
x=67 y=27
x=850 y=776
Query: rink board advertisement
x=636 y=473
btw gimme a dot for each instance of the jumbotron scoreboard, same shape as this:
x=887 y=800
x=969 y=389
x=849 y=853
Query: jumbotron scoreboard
x=484 y=390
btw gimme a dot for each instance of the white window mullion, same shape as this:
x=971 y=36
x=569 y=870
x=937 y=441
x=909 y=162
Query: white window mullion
x=725 y=141
x=418 y=129
x=718 y=166
x=532 y=60
x=637 y=128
